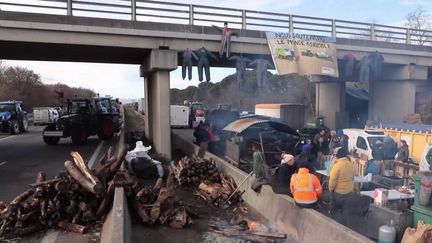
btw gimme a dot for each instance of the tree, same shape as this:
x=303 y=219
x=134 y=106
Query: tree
x=420 y=23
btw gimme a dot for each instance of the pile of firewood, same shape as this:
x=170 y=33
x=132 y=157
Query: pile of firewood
x=212 y=185
x=193 y=171
x=157 y=204
x=222 y=192
x=72 y=200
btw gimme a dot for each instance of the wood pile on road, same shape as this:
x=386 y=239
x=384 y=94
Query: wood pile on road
x=73 y=200
x=211 y=185
x=191 y=171
x=157 y=204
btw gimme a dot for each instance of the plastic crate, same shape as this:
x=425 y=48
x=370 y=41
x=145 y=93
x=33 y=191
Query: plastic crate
x=421 y=213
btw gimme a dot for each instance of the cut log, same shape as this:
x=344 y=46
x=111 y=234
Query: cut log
x=22 y=197
x=241 y=235
x=40 y=177
x=45 y=183
x=73 y=171
x=179 y=220
x=156 y=209
x=82 y=166
x=141 y=210
x=76 y=228
x=106 y=201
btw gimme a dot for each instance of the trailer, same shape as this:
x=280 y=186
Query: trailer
x=179 y=116
x=292 y=115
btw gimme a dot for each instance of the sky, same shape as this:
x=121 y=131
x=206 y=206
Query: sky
x=123 y=80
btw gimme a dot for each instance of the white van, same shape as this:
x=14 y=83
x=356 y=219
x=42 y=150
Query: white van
x=45 y=115
x=361 y=141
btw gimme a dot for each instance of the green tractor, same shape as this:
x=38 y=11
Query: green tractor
x=84 y=117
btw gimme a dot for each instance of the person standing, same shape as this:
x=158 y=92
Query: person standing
x=341 y=185
x=202 y=138
x=334 y=142
x=258 y=161
x=283 y=174
x=321 y=143
x=403 y=153
x=305 y=187
x=390 y=148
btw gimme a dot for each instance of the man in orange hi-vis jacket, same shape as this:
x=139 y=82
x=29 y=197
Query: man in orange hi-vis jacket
x=305 y=188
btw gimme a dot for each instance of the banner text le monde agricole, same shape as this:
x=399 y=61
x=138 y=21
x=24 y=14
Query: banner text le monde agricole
x=303 y=54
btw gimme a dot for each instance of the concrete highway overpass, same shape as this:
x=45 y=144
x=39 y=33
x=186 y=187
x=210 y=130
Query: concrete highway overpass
x=154 y=45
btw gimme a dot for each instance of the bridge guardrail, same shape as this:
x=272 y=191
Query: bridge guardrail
x=192 y=14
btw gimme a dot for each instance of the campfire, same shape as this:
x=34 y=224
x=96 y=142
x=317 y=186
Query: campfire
x=253 y=231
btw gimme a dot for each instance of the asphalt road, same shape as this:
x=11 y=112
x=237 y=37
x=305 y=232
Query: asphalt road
x=22 y=156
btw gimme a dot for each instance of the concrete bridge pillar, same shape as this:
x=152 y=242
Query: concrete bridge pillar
x=155 y=70
x=330 y=103
x=393 y=97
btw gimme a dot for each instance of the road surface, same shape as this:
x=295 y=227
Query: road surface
x=23 y=155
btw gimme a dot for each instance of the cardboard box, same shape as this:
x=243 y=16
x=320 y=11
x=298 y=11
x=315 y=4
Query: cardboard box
x=381 y=196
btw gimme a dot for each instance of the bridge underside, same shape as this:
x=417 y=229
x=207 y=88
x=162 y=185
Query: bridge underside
x=42 y=37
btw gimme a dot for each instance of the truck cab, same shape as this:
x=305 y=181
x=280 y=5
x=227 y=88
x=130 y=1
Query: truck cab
x=361 y=141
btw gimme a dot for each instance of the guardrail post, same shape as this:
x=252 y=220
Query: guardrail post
x=69 y=7
x=133 y=10
x=408 y=36
x=191 y=10
x=291 y=23
x=372 y=32
x=333 y=28
x=243 y=19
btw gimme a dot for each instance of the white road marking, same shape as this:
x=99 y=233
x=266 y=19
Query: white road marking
x=50 y=237
x=3 y=163
x=95 y=154
x=7 y=137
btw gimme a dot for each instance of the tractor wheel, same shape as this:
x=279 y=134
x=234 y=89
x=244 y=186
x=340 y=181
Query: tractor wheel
x=24 y=125
x=79 y=135
x=106 y=128
x=14 y=127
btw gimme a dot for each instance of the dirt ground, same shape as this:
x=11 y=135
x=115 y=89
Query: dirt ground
x=198 y=231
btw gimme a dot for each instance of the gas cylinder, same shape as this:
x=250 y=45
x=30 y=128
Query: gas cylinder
x=387 y=233
x=425 y=190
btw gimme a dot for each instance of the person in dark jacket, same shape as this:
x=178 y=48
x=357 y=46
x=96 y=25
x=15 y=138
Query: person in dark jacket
x=283 y=174
x=202 y=138
x=378 y=151
x=390 y=148
x=403 y=153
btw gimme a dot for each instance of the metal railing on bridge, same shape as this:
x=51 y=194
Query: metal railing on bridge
x=191 y=14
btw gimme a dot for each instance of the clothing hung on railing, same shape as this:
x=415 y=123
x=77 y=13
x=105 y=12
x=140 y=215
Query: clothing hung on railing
x=187 y=56
x=261 y=71
x=203 y=63
x=241 y=64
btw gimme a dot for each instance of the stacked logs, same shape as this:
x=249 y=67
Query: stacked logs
x=157 y=204
x=220 y=193
x=212 y=185
x=72 y=200
x=192 y=171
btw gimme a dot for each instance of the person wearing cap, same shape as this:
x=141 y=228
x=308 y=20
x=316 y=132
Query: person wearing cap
x=341 y=184
x=284 y=172
x=403 y=153
x=305 y=187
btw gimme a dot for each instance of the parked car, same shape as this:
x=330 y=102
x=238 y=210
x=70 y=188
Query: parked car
x=13 y=118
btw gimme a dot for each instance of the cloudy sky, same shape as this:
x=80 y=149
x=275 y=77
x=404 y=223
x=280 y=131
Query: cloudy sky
x=124 y=81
